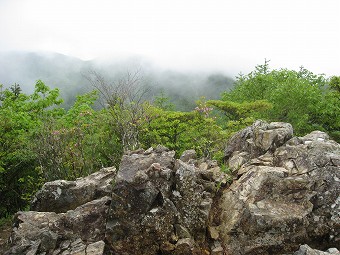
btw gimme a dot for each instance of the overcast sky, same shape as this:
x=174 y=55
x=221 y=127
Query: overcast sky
x=225 y=35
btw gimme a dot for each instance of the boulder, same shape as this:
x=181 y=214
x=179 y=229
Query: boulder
x=61 y=196
x=285 y=196
x=161 y=205
x=258 y=139
x=73 y=232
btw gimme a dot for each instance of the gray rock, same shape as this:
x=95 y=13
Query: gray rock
x=286 y=196
x=259 y=138
x=70 y=232
x=217 y=251
x=187 y=155
x=306 y=250
x=159 y=204
x=61 y=196
x=95 y=248
x=237 y=160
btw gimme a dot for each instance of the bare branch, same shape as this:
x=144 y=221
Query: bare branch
x=125 y=100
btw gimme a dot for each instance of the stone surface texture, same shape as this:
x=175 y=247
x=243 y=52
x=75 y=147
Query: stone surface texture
x=287 y=192
x=72 y=232
x=306 y=250
x=61 y=196
x=161 y=205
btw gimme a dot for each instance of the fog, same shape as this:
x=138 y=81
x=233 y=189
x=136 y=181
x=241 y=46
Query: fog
x=70 y=75
x=185 y=48
x=212 y=36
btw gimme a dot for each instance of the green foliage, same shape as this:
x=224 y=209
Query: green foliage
x=163 y=102
x=298 y=97
x=78 y=142
x=124 y=101
x=127 y=120
x=238 y=115
x=334 y=83
x=40 y=141
x=328 y=110
x=5 y=222
x=236 y=111
x=181 y=131
x=16 y=90
x=21 y=117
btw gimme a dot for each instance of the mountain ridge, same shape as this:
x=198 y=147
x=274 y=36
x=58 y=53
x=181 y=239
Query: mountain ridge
x=69 y=75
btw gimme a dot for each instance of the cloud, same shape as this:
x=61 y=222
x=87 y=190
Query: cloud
x=180 y=34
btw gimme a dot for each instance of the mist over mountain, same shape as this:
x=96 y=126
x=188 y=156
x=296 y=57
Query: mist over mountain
x=68 y=74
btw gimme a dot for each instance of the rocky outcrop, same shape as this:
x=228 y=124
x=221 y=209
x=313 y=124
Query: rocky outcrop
x=74 y=232
x=285 y=193
x=161 y=205
x=256 y=141
x=69 y=217
x=61 y=196
x=284 y=196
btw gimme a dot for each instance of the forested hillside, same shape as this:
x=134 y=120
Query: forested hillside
x=42 y=141
x=70 y=75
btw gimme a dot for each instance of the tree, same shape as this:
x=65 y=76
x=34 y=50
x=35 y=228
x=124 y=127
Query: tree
x=21 y=117
x=235 y=111
x=78 y=142
x=328 y=111
x=298 y=97
x=124 y=100
x=163 y=102
x=16 y=90
x=181 y=131
x=334 y=83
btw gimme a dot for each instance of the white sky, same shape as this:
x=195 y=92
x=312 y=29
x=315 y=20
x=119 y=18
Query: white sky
x=190 y=34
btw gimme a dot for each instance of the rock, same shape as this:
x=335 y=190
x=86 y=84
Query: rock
x=306 y=154
x=306 y=250
x=213 y=233
x=187 y=155
x=159 y=204
x=160 y=148
x=73 y=231
x=96 y=248
x=259 y=138
x=186 y=246
x=131 y=163
x=217 y=251
x=61 y=196
x=285 y=196
x=237 y=160
x=167 y=248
